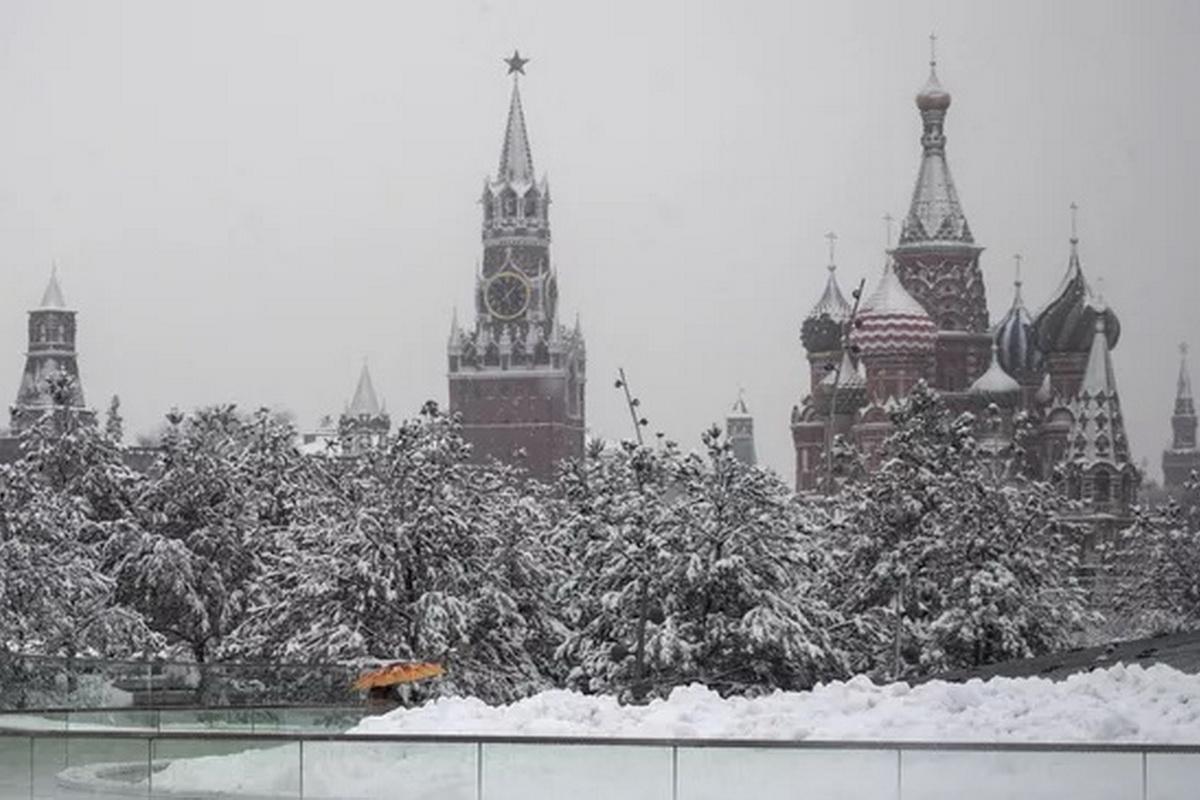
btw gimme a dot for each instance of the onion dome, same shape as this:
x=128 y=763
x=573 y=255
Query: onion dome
x=995 y=385
x=892 y=321
x=824 y=327
x=1016 y=351
x=1067 y=323
x=932 y=96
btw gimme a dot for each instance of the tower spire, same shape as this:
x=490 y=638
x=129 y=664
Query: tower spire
x=53 y=296
x=1183 y=385
x=1182 y=459
x=516 y=159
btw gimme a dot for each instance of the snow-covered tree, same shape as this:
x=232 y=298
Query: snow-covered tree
x=686 y=569
x=408 y=552
x=114 y=423
x=939 y=565
x=1155 y=567
x=224 y=485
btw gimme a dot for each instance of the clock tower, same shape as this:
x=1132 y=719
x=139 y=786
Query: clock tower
x=517 y=378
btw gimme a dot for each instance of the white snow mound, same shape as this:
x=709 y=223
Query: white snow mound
x=1118 y=704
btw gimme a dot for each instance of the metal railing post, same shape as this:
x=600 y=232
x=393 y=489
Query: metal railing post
x=899 y=774
x=301 y=743
x=1145 y=777
x=479 y=771
x=674 y=772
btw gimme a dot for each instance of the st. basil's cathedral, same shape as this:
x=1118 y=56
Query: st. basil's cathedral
x=926 y=319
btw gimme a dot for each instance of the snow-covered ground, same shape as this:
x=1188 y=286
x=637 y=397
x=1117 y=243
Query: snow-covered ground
x=1120 y=704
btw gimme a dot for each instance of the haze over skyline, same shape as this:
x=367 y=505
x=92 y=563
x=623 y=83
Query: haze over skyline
x=245 y=199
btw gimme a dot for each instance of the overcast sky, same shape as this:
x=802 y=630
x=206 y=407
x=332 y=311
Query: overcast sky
x=245 y=199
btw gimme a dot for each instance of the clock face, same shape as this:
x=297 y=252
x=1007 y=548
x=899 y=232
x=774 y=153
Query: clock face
x=506 y=295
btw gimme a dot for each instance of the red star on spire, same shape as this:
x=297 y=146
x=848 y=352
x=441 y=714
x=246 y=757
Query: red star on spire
x=516 y=63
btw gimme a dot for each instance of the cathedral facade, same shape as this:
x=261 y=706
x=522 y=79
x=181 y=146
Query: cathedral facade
x=517 y=376
x=926 y=319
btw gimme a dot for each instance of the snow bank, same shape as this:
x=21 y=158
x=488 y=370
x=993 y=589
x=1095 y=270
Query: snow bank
x=1119 y=704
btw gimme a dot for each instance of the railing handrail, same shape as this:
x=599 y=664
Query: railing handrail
x=614 y=741
x=191 y=707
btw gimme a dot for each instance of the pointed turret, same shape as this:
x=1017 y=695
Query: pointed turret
x=50 y=381
x=1182 y=458
x=1100 y=471
x=52 y=297
x=739 y=428
x=364 y=424
x=365 y=402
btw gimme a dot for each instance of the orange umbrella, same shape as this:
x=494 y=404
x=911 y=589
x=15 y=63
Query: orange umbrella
x=399 y=672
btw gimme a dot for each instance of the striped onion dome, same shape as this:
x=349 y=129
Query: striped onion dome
x=892 y=321
x=1016 y=351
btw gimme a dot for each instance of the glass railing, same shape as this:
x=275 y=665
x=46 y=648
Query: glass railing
x=231 y=765
x=269 y=719
x=53 y=682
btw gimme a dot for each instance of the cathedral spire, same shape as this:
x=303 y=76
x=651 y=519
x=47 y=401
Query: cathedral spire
x=935 y=214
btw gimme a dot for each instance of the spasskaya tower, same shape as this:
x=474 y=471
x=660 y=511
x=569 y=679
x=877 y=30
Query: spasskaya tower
x=517 y=378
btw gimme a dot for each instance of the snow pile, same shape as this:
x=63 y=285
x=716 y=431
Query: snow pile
x=1120 y=704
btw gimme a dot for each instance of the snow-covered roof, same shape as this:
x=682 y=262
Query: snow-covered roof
x=832 y=303
x=890 y=297
x=995 y=382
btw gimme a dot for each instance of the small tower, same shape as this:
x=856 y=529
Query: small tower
x=823 y=331
x=1183 y=457
x=739 y=428
x=937 y=258
x=1098 y=468
x=364 y=424
x=50 y=381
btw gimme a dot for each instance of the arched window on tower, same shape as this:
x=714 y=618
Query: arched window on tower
x=489 y=208
x=509 y=201
x=531 y=204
